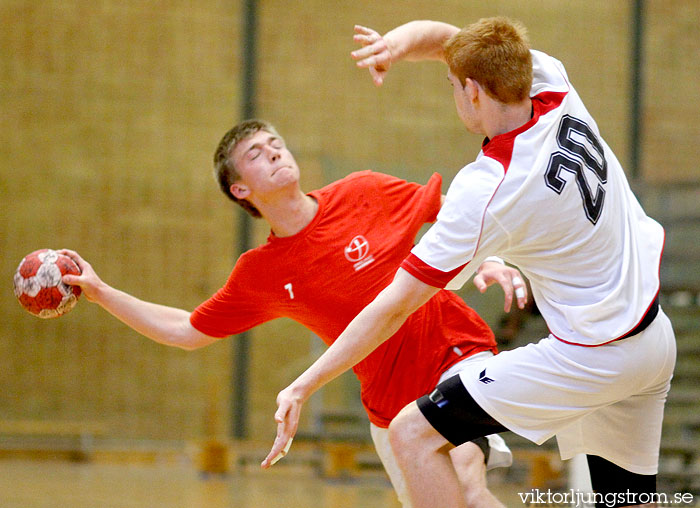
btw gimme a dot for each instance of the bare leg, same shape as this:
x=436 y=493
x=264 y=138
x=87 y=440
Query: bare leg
x=468 y=462
x=423 y=456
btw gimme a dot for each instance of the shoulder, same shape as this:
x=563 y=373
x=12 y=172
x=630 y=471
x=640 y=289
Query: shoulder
x=484 y=172
x=548 y=74
x=366 y=177
x=351 y=181
x=253 y=263
x=473 y=188
x=359 y=181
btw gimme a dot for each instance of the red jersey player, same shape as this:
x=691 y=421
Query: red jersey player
x=329 y=253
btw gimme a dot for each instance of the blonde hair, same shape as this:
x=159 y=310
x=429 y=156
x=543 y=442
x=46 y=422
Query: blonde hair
x=494 y=52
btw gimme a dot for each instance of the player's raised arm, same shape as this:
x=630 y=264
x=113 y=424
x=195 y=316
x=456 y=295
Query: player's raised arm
x=376 y=323
x=416 y=40
x=163 y=324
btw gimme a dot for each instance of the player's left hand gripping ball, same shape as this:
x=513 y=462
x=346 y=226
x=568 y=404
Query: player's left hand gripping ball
x=38 y=284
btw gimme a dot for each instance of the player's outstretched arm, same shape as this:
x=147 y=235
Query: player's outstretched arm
x=376 y=323
x=416 y=40
x=163 y=324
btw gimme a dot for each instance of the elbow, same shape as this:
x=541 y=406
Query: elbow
x=188 y=338
x=192 y=343
x=186 y=346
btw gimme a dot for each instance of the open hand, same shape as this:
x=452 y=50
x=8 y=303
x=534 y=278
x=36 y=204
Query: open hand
x=510 y=279
x=374 y=54
x=287 y=418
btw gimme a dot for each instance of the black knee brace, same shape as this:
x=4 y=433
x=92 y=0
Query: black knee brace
x=454 y=413
x=615 y=486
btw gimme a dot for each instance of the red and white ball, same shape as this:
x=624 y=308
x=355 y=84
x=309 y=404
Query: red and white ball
x=38 y=284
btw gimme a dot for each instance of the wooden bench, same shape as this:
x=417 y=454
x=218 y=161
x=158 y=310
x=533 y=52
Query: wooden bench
x=73 y=438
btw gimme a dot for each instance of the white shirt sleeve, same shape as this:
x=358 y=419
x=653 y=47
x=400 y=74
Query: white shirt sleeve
x=458 y=238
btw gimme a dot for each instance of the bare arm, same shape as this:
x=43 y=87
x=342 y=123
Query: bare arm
x=370 y=328
x=416 y=40
x=163 y=324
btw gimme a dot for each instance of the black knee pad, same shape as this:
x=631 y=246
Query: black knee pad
x=615 y=486
x=454 y=413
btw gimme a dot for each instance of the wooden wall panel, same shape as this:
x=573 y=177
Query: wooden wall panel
x=111 y=111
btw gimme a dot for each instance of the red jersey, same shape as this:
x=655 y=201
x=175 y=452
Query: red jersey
x=323 y=276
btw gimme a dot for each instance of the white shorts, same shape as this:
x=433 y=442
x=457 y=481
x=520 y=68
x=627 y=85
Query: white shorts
x=606 y=400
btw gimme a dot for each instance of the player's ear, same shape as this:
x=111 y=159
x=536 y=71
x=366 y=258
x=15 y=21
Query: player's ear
x=471 y=88
x=239 y=190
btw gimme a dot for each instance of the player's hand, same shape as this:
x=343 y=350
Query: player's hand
x=287 y=418
x=510 y=279
x=374 y=54
x=88 y=280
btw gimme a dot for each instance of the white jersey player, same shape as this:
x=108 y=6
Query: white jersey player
x=548 y=195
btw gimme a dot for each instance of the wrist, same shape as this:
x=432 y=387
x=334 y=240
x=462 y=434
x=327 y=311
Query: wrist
x=102 y=293
x=392 y=47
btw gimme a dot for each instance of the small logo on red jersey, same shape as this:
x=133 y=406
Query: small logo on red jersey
x=357 y=252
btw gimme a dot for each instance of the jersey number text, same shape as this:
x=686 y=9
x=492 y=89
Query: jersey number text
x=580 y=148
x=288 y=287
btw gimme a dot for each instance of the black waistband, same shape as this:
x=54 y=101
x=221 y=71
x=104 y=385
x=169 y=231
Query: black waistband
x=646 y=321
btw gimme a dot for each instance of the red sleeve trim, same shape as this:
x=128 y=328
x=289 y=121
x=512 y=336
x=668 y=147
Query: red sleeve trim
x=426 y=273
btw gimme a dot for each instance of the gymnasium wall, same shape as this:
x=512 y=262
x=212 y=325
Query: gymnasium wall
x=111 y=112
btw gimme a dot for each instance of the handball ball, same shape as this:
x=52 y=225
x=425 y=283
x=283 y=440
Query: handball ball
x=38 y=285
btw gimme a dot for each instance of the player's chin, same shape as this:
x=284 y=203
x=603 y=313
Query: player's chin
x=286 y=175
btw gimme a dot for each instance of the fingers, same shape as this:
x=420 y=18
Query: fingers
x=512 y=284
x=367 y=50
x=82 y=264
x=364 y=40
x=365 y=37
x=377 y=76
x=72 y=279
x=279 y=449
x=520 y=291
x=281 y=445
x=508 y=278
x=363 y=30
x=480 y=283
x=282 y=453
x=374 y=54
x=507 y=286
x=71 y=254
x=287 y=418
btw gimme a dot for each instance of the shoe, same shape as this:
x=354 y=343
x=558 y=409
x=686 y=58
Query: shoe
x=499 y=453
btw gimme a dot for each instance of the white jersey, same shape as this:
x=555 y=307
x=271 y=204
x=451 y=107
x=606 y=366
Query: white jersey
x=551 y=198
